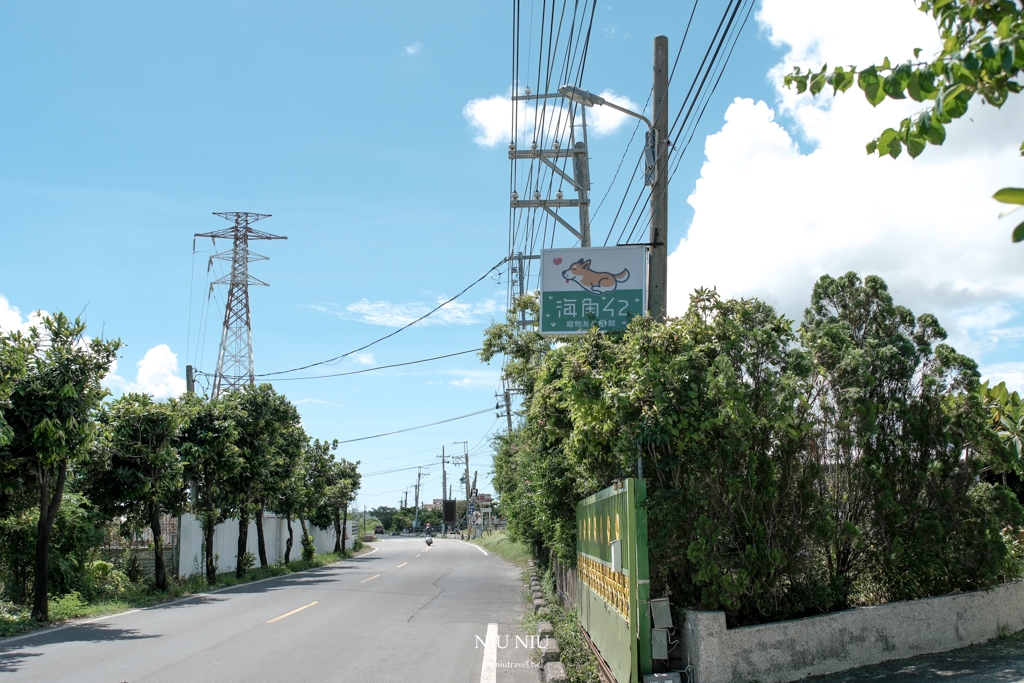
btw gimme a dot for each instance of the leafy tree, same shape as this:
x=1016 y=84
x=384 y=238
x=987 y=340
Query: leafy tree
x=309 y=488
x=523 y=348
x=75 y=538
x=1006 y=419
x=267 y=436
x=384 y=515
x=982 y=54
x=137 y=475
x=14 y=352
x=787 y=475
x=900 y=438
x=1014 y=196
x=431 y=517
x=342 y=479
x=400 y=521
x=211 y=459
x=50 y=422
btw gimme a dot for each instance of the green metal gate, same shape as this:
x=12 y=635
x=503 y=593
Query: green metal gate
x=613 y=586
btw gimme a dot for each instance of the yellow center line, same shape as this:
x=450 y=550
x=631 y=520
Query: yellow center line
x=401 y=565
x=292 y=612
x=370 y=579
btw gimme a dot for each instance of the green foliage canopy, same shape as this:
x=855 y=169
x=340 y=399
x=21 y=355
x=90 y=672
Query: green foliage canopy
x=49 y=417
x=136 y=473
x=788 y=473
x=982 y=55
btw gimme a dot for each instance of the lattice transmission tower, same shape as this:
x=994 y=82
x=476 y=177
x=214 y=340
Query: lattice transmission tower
x=234 y=360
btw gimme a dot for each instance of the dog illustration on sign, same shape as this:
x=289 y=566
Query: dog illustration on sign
x=593 y=281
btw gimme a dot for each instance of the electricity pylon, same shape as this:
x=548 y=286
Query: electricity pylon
x=234 y=361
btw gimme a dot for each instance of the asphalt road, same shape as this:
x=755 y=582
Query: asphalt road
x=401 y=613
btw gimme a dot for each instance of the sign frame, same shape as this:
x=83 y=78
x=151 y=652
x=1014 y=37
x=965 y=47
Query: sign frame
x=583 y=287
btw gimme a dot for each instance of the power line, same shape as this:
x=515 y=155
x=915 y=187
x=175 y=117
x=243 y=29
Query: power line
x=379 y=367
x=693 y=128
x=409 y=429
x=392 y=334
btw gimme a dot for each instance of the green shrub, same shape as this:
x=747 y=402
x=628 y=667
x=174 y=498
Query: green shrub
x=70 y=606
x=132 y=566
x=308 y=548
x=246 y=562
x=106 y=581
x=788 y=473
x=77 y=534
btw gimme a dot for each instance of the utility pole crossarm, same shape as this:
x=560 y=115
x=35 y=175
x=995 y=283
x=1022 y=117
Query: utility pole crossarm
x=546 y=203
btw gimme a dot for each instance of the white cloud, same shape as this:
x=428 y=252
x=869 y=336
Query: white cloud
x=475 y=378
x=491 y=117
x=157 y=375
x=605 y=120
x=769 y=219
x=11 y=320
x=414 y=50
x=1011 y=373
x=364 y=358
x=395 y=315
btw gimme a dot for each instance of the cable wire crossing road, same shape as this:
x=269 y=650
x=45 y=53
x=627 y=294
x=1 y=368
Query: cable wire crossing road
x=450 y=615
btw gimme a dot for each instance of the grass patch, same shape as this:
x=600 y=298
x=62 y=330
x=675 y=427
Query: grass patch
x=579 y=662
x=497 y=542
x=16 y=619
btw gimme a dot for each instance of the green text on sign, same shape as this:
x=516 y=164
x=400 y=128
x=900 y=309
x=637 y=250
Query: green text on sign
x=577 y=312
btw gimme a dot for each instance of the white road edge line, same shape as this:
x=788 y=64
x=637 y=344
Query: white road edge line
x=94 y=620
x=473 y=545
x=489 y=669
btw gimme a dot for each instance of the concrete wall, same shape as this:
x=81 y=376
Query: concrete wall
x=225 y=542
x=791 y=650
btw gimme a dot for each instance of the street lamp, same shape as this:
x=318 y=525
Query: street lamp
x=588 y=99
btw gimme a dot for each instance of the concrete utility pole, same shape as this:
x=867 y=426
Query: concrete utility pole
x=506 y=396
x=444 y=488
x=465 y=447
x=657 y=294
x=416 y=515
x=190 y=380
x=469 y=517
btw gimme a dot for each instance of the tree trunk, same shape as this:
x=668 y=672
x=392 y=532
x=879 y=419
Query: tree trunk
x=158 y=548
x=291 y=536
x=243 y=541
x=344 y=531
x=338 y=547
x=261 y=544
x=49 y=506
x=209 y=526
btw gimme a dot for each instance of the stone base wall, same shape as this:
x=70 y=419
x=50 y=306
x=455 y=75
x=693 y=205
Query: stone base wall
x=791 y=650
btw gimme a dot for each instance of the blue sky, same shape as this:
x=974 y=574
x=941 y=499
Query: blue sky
x=127 y=124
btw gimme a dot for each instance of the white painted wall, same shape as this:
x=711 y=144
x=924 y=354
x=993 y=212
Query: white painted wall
x=792 y=650
x=225 y=542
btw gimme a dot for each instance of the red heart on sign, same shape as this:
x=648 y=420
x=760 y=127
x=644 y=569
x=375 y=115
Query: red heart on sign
x=557 y=261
